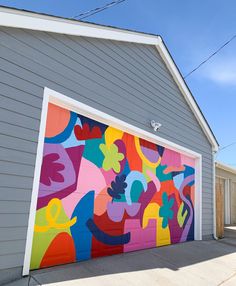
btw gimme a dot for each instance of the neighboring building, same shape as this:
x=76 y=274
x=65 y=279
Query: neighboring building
x=226 y=195
x=83 y=173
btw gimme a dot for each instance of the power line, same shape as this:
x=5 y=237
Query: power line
x=225 y=147
x=212 y=55
x=97 y=10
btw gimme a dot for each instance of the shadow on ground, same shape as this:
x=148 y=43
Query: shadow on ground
x=172 y=257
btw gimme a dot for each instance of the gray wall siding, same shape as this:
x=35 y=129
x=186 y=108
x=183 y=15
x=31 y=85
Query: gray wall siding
x=128 y=81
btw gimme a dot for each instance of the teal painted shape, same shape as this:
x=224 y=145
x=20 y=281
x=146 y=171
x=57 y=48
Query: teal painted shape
x=92 y=151
x=130 y=179
x=161 y=176
x=165 y=210
x=136 y=191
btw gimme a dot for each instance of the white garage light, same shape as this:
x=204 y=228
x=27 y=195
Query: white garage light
x=155 y=125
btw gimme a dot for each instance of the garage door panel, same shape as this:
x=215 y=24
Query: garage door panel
x=103 y=191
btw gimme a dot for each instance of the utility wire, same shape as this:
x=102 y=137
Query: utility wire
x=224 y=147
x=97 y=10
x=211 y=56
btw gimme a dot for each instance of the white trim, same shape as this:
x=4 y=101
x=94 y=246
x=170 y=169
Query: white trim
x=214 y=195
x=227 y=201
x=83 y=109
x=225 y=167
x=28 y=20
x=198 y=199
x=185 y=91
x=34 y=196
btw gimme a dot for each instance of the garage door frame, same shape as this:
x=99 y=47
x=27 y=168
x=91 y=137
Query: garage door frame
x=83 y=109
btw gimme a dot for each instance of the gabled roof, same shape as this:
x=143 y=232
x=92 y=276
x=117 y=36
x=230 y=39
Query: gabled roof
x=11 y=17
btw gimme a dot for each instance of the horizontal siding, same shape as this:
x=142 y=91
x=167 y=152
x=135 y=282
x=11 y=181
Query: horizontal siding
x=128 y=81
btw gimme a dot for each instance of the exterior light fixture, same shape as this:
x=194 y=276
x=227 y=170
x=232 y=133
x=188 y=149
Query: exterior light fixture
x=155 y=125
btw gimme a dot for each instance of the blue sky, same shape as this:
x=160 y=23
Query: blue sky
x=192 y=30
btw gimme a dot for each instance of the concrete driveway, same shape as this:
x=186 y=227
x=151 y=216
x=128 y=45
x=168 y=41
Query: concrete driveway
x=193 y=263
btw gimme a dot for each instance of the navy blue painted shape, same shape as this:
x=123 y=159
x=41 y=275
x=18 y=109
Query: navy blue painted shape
x=106 y=238
x=63 y=136
x=81 y=234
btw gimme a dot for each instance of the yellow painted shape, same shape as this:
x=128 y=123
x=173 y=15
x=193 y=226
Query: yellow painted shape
x=181 y=218
x=162 y=234
x=52 y=218
x=143 y=158
x=111 y=135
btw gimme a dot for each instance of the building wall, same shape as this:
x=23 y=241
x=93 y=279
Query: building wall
x=126 y=80
x=231 y=177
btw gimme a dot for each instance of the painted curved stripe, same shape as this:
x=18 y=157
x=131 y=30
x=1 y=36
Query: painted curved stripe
x=106 y=238
x=130 y=179
x=141 y=155
x=66 y=133
x=185 y=232
x=154 y=179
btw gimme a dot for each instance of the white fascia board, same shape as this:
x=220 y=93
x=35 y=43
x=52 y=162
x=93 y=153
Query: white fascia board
x=225 y=167
x=33 y=21
x=26 y=20
x=185 y=91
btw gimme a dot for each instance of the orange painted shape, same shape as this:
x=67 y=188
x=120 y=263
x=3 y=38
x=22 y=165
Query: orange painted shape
x=60 y=251
x=169 y=188
x=135 y=162
x=57 y=120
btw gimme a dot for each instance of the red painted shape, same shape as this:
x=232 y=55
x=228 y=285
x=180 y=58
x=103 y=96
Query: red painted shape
x=135 y=163
x=147 y=144
x=112 y=228
x=60 y=251
x=85 y=133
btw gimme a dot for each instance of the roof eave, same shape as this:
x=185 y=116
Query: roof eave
x=40 y=22
x=225 y=167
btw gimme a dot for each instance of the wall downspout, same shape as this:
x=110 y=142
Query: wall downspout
x=214 y=195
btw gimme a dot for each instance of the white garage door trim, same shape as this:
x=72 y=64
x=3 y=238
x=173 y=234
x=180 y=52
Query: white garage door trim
x=83 y=109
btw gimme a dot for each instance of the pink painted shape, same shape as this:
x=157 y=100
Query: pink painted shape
x=140 y=238
x=155 y=180
x=185 y=160
x=109 y=176
x=171 y=158
x=90 y=179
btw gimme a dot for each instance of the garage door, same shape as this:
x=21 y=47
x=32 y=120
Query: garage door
x=103 y=191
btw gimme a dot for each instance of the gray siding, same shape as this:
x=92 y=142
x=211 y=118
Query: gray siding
x=128 y=81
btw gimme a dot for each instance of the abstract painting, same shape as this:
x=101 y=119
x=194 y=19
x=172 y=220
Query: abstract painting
x=103 y=191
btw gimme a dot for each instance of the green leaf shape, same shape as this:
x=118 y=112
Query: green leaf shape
x=112 y=157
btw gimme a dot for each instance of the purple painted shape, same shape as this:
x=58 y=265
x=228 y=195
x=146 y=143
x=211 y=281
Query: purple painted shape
x=74 y=155
x=55 y=162
x=116 y=210
x=145 y=199
x=121 y=149
x=175 y=229
x=150 y=154
x=190 y=219
x=140 y=238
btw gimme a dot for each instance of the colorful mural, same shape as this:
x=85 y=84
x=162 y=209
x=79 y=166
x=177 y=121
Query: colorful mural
x=103 y=191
